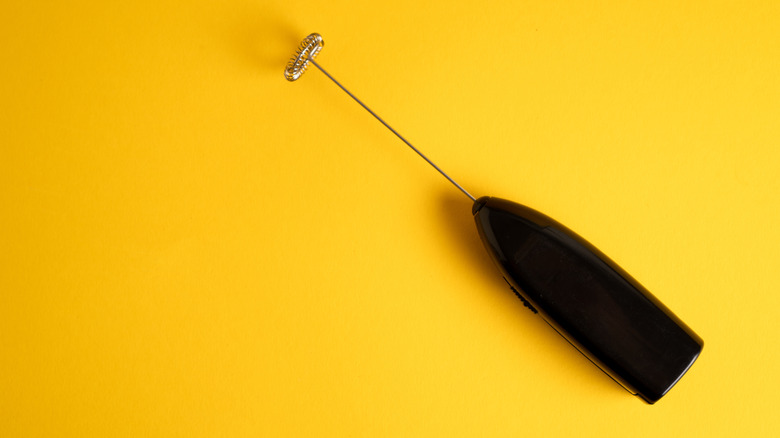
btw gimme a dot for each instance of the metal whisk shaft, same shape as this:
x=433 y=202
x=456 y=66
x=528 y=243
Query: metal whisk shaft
x=306 y=53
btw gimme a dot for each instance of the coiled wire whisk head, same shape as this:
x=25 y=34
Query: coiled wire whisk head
x=309 y=48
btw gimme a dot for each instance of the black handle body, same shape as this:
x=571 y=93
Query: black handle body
x=587 y=298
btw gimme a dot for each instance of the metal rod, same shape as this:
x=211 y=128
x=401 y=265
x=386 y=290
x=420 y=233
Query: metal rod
x=392 y=130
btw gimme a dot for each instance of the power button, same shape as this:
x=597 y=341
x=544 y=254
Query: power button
x=525 y=302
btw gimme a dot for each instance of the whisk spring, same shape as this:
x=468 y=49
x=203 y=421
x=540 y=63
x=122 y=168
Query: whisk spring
x=307 y=51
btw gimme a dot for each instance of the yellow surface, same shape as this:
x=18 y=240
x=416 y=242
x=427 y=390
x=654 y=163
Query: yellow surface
x=192 y=246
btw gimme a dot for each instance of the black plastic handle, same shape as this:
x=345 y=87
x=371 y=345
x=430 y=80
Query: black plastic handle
x=587 y=298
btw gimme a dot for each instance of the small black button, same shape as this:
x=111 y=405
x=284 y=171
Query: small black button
x=525 y=302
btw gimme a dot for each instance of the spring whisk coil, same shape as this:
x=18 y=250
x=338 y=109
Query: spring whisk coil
x=309 y=48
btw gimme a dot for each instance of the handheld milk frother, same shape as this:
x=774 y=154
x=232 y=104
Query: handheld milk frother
x=593 y=303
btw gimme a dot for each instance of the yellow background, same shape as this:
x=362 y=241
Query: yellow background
x=192 y=246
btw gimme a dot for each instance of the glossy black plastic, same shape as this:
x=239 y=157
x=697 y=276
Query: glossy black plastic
x=587 y=298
